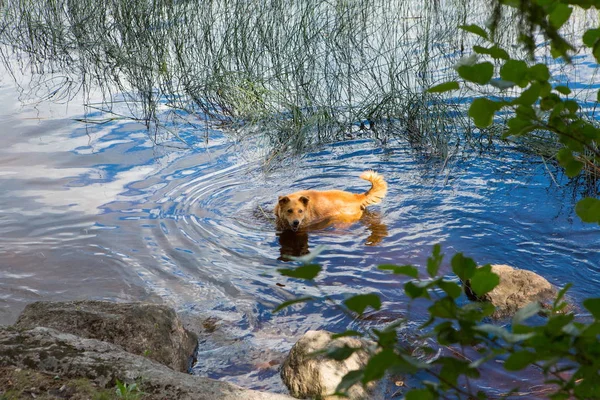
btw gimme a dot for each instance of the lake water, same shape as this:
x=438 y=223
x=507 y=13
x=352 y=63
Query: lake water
x=100 y=212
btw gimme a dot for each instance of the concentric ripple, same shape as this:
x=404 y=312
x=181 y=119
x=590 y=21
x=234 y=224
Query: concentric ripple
x=194 y=228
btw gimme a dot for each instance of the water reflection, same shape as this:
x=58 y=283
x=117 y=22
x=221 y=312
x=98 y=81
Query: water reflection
x=295 y=244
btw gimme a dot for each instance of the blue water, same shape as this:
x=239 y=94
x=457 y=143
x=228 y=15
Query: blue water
x=101 y=212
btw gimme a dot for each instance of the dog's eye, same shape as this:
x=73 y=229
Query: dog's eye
x=290 y=211
x=300 y=211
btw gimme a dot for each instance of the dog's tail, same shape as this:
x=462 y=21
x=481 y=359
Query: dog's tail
x=378 y=188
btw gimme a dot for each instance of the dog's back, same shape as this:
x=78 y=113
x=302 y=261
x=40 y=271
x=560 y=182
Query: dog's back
x=307 y=207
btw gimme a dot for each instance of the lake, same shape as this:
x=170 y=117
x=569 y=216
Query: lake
x=100 y=211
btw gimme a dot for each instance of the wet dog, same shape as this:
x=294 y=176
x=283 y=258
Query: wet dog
x=312 y=208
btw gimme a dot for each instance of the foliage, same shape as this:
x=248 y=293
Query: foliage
x=540 y=109
x=129 y=391
x=565 y=350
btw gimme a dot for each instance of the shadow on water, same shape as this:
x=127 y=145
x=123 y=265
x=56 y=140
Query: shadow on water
x=295 y=244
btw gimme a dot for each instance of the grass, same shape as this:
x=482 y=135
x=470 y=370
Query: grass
x=291 y=75
x=17 y=383
x=296 y=74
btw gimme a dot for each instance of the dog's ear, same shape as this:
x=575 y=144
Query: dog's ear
x=304 y=200
x=283 y=199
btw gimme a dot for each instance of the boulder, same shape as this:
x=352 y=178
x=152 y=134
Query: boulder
x=68 y=356
x=150 y=330
x=309 y=375
x=517 y=288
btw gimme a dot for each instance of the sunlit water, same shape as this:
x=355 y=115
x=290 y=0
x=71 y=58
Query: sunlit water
x=99 y=212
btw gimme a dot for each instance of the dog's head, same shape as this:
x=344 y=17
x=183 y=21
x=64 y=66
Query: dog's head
x=292 y=210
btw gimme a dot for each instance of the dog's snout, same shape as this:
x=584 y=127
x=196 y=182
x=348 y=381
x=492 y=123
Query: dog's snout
x=295 y=222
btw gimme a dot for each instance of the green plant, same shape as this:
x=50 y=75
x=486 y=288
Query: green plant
x=129 y=391
x=540 y=110
x=293 y=75
x=565 y=350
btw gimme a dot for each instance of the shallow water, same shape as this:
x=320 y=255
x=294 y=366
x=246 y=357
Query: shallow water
x=100 y=212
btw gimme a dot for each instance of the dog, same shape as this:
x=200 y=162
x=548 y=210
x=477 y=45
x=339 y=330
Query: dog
x=313 y=208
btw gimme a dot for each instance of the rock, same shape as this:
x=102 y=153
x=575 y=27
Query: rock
x=150 y=330
x=517 y=288
x=52 y=352
x=316 y=376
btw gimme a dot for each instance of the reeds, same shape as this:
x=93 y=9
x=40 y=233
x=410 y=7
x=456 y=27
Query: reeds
x=298 y=73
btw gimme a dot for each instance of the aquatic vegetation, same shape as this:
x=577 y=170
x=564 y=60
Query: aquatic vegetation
x=293 y=74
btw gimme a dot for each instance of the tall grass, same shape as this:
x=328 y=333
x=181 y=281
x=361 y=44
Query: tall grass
x=295 y=73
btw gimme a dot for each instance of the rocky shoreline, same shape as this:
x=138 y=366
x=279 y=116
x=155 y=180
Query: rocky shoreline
x=102 y=345
x=103 y=350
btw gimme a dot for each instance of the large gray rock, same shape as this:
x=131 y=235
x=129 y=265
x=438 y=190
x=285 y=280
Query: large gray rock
x=150 y=330
x=50 y=351
x=315 y=376
x=517 y=288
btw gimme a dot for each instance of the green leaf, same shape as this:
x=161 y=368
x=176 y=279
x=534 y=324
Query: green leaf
x=452 y=368
x=598 y=96
x=484 y=280
x=563 y=89
x=515 y=71
x=407 y=270
x=452 y=289
x=434 y=262
x=341 y=353
x=387 y=337
x=559 y=15
x=413 y=291
x=539 y=72
x=349 y=380
x=360 y=302
x=503 y=333
x=378 y=365
x=463 y=267
x=572 y=166
x=482 y=111
x=548 y=102
x=591 y=36
x=588 y=210
x=480 y=73
x=346 y=334
x=443 y=308
x=526 y=312
x=593 y=306
x=308 y=272
x=310 y=257
x=530 y=95
x=501 y=84
x=494 y=52
x=561 y=294
x=571 y=106
x=444 y=87
x=476 y=29
x=288 y=303
x=519 y=360
x=519 y=125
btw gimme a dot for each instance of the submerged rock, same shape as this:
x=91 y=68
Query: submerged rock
x=517 y=288
x=315 y=376
x=49 y=351
x=150 y=330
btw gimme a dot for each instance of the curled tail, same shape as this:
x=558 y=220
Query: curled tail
x=378 y=188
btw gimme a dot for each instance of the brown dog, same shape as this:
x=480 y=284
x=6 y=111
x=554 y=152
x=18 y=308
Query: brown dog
x=310 y=207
